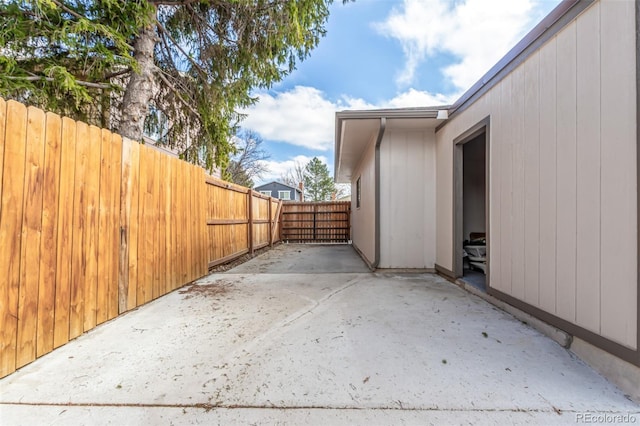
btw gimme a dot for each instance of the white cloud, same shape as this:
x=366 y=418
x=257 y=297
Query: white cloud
x=418 y=98
x=302 y=117
x=278 y=168
x=477 y=32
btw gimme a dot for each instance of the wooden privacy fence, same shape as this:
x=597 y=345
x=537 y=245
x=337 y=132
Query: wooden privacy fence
x=239 y=221
x=93 y=225
x=322 y=222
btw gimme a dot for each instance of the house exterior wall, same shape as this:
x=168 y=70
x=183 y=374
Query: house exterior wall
x=563 y=176
x=363 y=225
x=407 y=193
x=275 y=187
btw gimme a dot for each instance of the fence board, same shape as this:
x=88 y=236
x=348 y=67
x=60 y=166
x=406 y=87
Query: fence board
x=65 y=233
x=179 y=201
x=104 y=252
x=10 y=230
x=154 y=249
x=175 y=256
x=164 y=205
x=92 y=196
x=192 y=218
x=131 y=191
x=48 y=246
x=144 y=232
x=3 y=122
x=80 y=237
x=31 y=231
x=113 y=224
x=202 y=223
x=181 y=236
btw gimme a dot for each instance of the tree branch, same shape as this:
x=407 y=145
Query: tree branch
x=189 y=58
x=172 y=3
x=178 y=95
x=68 y=10
x=207 y=26
x=117 y=73
x=50 y=79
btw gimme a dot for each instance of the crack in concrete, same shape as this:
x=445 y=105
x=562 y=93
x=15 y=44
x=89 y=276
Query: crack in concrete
x=316 y=303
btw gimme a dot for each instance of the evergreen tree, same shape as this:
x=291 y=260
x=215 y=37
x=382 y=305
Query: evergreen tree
x=195 y=61
x=319 y=186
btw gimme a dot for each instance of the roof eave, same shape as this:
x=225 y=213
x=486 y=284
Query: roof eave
x=428 y=112
x=389 y=113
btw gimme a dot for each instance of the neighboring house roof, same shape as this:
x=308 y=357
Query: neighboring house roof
x=360 y=127
x=264 y=185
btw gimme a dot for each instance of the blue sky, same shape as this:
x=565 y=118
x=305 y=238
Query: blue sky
x=385 y=54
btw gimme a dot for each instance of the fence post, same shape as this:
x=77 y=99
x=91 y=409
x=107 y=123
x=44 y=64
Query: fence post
x=280 y=219
x=349 y=223
x=250 y=218
x=315 y=210
x=270 y=224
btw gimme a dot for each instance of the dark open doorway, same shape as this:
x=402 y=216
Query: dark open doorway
x=471 y=263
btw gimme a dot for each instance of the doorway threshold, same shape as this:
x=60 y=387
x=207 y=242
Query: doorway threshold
x=475 y=279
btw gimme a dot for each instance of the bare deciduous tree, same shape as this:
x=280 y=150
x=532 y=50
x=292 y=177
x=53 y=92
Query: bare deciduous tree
x=295 y=175
x=248 y=161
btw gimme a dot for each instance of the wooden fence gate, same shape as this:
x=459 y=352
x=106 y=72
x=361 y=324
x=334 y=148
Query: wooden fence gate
x=322 y=222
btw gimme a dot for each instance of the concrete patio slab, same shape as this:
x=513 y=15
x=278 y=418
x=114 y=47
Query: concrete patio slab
x=305 y=259
x=284 y=347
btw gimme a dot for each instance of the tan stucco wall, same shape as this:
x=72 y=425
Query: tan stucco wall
x=407 y=191
x=563 y=191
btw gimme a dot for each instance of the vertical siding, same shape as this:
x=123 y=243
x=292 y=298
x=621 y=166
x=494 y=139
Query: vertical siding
x=505 y=141
x=532 y=180
x=406 y=213
x=518 y=188
x=588 y=170
x=548 y=226
x=566 y=173
x=363 y=224
x=444 y=203
x=429 y=219
x=618 y=182
x=563 y=191
x=495 y=215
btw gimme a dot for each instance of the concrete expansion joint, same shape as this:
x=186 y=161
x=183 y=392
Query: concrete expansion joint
x=397 y=407
x=316 y=303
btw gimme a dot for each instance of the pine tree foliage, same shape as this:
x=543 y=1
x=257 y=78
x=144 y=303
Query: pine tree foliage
x=196 y=61
x=318 y=184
